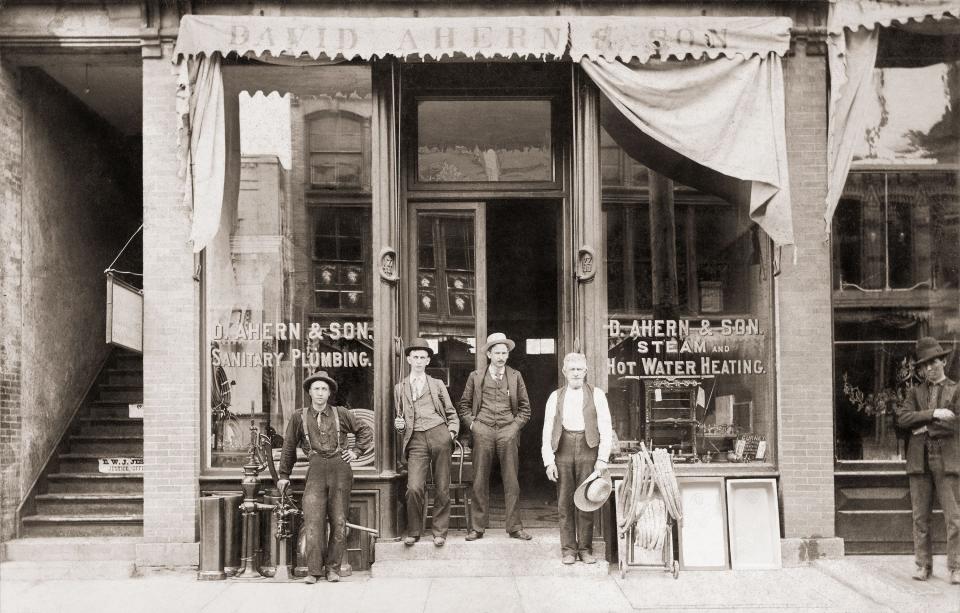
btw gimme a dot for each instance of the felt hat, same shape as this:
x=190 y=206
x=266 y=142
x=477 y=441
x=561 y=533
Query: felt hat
x=498 y=338
x=320 y=375
x=593 y=492
x=928 y=348
x=419 y=344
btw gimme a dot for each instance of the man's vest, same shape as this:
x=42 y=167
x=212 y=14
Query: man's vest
x=590 y=427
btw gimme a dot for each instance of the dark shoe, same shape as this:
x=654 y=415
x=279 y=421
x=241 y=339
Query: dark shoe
x=311 y=579
x=587 y=558
x=569 y=559
x=955 y=576
x=410 y=540
x=332 y=576
x=438 y=541
x=474 y=535
x=520 y=534
x=922 y=573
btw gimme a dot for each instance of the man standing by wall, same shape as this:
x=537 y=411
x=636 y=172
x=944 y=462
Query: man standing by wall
x=577 y=435
x=495 y=407
x=321 y=431
x=429 y=425
x=933 y=456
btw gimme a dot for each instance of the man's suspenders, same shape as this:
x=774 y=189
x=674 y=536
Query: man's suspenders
x=306 y=430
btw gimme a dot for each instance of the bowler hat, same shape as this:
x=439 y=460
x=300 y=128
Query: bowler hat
x=498 y=338
x=928 y=348
x=320 y=375
x=419 y=344
x=593 y=492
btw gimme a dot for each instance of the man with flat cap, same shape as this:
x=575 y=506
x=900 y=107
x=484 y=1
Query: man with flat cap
x=428 y=424
x=933 y=456
x=495 y=407
x=321 y=431
x=576 y=441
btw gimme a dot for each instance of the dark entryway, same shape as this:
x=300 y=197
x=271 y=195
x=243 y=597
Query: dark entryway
x=523 y=302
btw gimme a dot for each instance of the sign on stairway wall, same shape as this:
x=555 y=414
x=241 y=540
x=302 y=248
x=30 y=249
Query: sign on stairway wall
x=121 y=465
x=124 y=314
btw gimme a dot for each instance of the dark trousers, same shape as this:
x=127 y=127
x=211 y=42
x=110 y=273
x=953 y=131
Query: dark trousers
x=921 y=498
x=575 y=461
x=502 y=442
x=325 y=496
x=431 y=448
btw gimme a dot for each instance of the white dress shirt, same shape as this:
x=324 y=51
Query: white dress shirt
x=573 y=420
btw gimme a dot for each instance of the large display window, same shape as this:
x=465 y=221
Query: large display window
x=690 y=352
x=288 y=277
x=896 y=255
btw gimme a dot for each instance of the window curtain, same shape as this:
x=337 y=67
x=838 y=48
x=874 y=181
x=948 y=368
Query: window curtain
x=853 y=38
x=209 y=145
x=717 y=125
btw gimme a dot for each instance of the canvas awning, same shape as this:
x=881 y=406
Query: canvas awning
x=853 y=37
x=680 y=84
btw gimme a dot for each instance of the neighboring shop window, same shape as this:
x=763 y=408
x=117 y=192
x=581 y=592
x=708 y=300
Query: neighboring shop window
x=690 y=369
x=896 y=255
x=288 y=276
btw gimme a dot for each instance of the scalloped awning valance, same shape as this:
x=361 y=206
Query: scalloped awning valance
x=614 y=37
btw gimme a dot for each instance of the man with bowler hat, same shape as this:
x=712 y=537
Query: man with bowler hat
x=321 y=431
x=428 y=424
x=495 y=407
x=933 y=456
x=577 y=436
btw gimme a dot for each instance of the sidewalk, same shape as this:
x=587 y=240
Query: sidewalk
x=856 y=583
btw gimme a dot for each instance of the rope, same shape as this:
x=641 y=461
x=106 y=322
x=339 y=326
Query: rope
x=129 y=240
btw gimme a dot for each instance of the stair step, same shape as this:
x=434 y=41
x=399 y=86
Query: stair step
x=495 y=547
x=101 y=426
x=107 y=445
x=48 y=571
x=120 y=393
x=123 y=376
x=66 y=549
x=110 y=408
x=487 y=568
x=132 y=361
x=79 y=483
x=82 y=525
x=90 y=504
x=85 y=463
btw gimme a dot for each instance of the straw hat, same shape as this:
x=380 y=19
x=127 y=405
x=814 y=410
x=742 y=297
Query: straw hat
x=320 y=375
x=593 y=492
x=498 y=338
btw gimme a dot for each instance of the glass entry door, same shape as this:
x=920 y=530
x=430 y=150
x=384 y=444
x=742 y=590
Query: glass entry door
x=447 y=304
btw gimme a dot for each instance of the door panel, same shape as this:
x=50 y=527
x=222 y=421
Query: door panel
x=447 y=303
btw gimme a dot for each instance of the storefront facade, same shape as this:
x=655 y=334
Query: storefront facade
x=321 y=184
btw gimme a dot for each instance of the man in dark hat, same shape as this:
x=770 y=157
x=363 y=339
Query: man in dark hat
x=429 y=424
x=495 y=406
x=933 y=456
x=321 y=431
x=577 y=436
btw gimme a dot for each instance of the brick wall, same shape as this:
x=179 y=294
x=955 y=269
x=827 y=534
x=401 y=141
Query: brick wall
x=10 y=312
x=171 y=366
x=805 y=357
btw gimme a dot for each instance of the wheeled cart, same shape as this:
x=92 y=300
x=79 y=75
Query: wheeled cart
x=645 y=515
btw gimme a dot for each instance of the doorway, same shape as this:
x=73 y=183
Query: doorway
x=489 y=267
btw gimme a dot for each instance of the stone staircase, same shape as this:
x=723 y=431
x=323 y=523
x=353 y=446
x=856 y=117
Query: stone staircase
x=74 y=499
x=495 y=555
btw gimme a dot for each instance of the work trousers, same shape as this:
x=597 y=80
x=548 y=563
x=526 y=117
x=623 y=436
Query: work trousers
x=325 y=498
x=430 y=448
x=921 y=498
x=504 y=443
x=575 y=461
